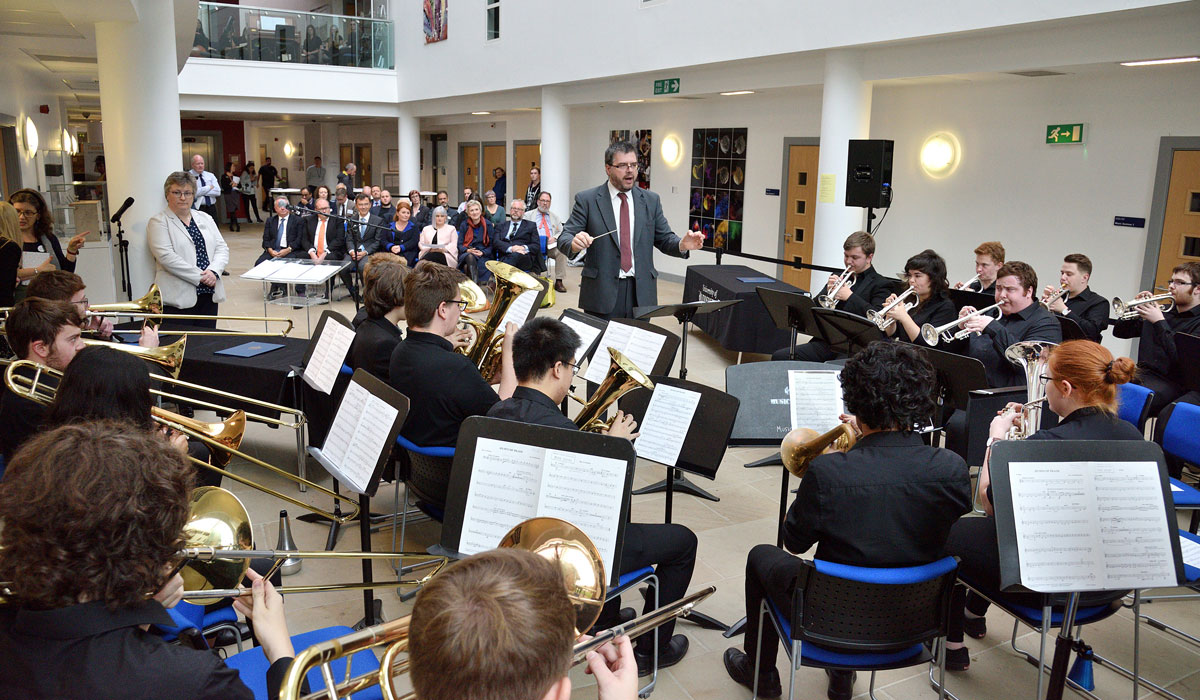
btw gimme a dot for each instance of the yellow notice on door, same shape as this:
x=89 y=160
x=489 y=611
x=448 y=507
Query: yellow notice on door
x=826 y=185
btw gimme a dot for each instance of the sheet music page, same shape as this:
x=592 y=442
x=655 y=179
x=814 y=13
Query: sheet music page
x=1087 y=526
x=505 y=485
x=1190 y=551
x=290 y=270
x=587 y=334
x=815 y=397
x=666 y=423
x=1176 y=489
x=616 y=335
x=315 y=274
x=264 y=268
x=586 y=491
x=32 y=259
x=520 y=310
x=328 y=356
x=360 y=432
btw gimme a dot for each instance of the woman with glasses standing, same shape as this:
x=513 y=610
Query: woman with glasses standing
x=38 y=237
x=189 y=253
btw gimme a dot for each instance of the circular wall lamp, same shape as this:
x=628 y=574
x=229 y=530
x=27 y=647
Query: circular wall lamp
x=940 y=155
x=671 y=150
x=288 y=149
x=31 y=136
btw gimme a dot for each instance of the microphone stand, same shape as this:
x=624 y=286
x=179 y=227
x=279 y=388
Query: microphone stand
x=123 y=248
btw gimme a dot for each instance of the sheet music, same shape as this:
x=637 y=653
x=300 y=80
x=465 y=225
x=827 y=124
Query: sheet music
x=586 y=491
x=1176 y=489
x=1089 y=526
x=666 y=423
x=587 y=334
x=264 y=268
x=290 y=270
x=520 y=310
x=1191 y=552
x=639 y=345
x=328 y=356
x=815 y=397
x=315 y=274
x=360 y=433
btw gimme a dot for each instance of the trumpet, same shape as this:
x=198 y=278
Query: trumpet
x=623 y=376
x=969 y=282
x=1126 y=310
x=802 y=445
x=1054 y=296
x=880 y=319
x=830 y=300
x=218 y=549
x=945 y=333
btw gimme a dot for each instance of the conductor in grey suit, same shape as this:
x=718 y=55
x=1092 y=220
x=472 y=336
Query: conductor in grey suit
x=618 y=270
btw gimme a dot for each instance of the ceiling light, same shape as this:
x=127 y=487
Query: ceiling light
x=940 y=155
x=1162 y=61
x=480 y=113
x=31 y=136
x=738 y=92
x=629 y=102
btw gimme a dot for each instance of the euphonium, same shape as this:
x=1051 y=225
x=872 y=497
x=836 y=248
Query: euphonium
x=802 y=445
x=484 y=351
x=880 y=319
x=946 y=333
x=1032 y=356
x=830 y=301
x=1126 y=310
x=623 y=376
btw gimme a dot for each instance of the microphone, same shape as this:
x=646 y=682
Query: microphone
x=116 y=218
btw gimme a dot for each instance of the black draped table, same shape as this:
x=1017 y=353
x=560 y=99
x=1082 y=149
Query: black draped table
x=745 y=327
x=265 y=377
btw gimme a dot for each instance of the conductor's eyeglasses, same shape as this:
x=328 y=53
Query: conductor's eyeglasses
x=624 y=166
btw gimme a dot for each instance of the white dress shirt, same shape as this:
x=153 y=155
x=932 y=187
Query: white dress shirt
x=281 y=232
x=616 y=205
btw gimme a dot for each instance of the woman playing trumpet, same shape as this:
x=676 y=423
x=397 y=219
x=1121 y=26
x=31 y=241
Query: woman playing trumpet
x=926 y=274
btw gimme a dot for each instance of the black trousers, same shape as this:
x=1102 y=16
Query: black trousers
x=518 y=260
x=1165 y=391
x=671 y=549
x=205 y=306
x=812 y=351
x=770 y=573
x=210 y=209
x=626 y=300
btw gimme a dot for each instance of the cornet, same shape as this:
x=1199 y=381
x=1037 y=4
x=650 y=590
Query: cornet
x=945 y=334
x=1054 y=296
x=880 y=319
x=1127 y=310
x=830 y=300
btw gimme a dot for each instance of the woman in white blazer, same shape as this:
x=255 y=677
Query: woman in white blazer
x=189 y=253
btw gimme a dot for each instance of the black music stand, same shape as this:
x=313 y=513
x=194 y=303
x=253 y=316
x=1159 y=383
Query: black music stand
x=1070 y=329
x=846 y=333
x=790 y=311
x=684 y=313
x=957 y=376
x=365 y=488
x=967 y=297
x=600 y=324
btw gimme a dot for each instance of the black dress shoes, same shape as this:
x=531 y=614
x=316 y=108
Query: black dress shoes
x=668 y=656
x=841 y=684
x=740 y=669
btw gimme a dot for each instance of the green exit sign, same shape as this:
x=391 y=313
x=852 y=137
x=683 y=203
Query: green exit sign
x=1064 y=133
x=667 y=86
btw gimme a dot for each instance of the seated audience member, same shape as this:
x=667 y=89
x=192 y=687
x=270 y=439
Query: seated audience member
x=493 y=211
x=1081 y=304
x=60 y=285
x=382 y=204
x=444 y=387
x=326 y=236
x=517 y=241
x=1160 y=366
x=543 y=355
x=550 y=226
x=422 y=215
x=989 y=257
x=45 y=332
x=439 y=240
x=889 y=501
x=82 y=560
x=283 y=237
x=341 y=205
x=510 y=609
x=443 y=200
x=926 y=273
x=306 y=200
x=475 y=239
x=362 y=239
x=376 y=193
x=1082 y=390
x=1021 y=318
x=404 y=236
x=378 y=335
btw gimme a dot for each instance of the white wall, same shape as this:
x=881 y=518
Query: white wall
x=20 y=99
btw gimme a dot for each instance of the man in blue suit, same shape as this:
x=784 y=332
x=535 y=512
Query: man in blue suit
x=618 y=270
x=517 y=242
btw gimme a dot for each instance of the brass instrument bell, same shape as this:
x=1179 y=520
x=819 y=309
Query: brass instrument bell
x=573 y=552
x=623 y=376
x=802 y=445
x=218 y=520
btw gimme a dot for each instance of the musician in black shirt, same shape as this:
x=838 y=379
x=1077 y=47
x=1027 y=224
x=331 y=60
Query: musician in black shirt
x=926 y=272
x=867 y=290
x=377 y=335
x=1081 y=304
x=989 y=256
x=1022 y=318
x=1159 y=364
x=543 y=359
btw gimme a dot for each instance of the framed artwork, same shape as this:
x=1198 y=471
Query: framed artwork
x=435 y=20
x=718 y=186
x=391 y=182
x=394 y=159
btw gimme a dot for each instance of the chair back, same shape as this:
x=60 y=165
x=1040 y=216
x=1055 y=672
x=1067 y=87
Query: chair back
x=1179 y=431
x=864 y=609
x=428 y=471
x=1133 y=403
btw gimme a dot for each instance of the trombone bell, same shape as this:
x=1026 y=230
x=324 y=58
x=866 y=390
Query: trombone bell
x=218 y=520
x=169 y=356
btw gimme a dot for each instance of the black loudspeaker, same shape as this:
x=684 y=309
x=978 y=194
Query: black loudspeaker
x=869 y=173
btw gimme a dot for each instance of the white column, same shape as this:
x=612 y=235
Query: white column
x=330 y=155
x=408 y=137
x=556 y=151
x=142 y=138
x=845 y=115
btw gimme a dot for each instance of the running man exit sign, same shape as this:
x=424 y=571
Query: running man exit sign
x=1064 y=133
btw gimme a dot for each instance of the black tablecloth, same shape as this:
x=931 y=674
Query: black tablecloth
x=744 y=327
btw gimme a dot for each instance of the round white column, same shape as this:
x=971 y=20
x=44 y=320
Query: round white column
x=556 y=152
x=408 y=135
x=139 y=97
x=845 y=115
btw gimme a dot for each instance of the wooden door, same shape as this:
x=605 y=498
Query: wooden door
x=469 y=158
x=494 y=157
x=362 y=161
x=801 y=193
x=525 y=156
x=1181 y=221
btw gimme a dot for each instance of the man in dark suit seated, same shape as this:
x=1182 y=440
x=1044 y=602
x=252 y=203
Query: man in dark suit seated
x=543 y=359
x=384 y=208
x=889 y=501
x=1080 y=303
x=383 y=300
x=517 y=242
x=618 y=270
x=362 y=238
x=867 y=290
x=476 y=238
x=452 y=214
x=284 y=236
x=444 y=388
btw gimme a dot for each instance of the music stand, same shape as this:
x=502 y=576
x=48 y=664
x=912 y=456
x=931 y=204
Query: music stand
x=957 y=376
x=684 y=313
x=846 y=333
x=366 y=485
x=1070 y=329
x=789 y=310
x=578 y=317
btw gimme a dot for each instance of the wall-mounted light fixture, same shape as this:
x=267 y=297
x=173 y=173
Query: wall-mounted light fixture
x=288 y=149
x=940 y=155
x=671 y=150
x=31 y=136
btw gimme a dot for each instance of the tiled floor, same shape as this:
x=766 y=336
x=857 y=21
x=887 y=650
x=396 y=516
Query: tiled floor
x=745 y=516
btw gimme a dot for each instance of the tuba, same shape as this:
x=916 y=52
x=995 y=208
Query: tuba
x=623 y=376
x=802 y=445
x=1031 y=356
x=484 y=351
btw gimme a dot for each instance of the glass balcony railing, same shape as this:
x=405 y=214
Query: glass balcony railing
x=262 y=34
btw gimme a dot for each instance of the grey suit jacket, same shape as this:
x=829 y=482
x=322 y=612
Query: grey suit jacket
x=593 y=213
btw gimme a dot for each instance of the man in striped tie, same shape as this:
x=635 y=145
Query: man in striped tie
x=549 y=225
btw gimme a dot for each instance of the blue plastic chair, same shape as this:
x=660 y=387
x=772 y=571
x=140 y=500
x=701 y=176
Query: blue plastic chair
x=1133 y=404
x=252 y=665
x=1178 y=431
x=426 y=478
x=188 y=616
x=624 y=583
x=861 y=618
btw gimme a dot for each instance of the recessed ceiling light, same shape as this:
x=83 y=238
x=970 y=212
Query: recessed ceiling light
x=480 y=113
x=629 y=102
x=1162 y=61
x=738 y=92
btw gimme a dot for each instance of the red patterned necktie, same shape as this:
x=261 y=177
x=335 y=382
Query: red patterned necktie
x=626 y=238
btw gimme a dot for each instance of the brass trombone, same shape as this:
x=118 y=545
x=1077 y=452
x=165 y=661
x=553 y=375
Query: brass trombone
x=223 y=439
x=169 y=356
x=218 y=547
x=623 y=376
x=150 y=306
x=1127 y=310
x=946 y=333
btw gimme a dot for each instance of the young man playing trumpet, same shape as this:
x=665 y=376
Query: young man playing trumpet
x=1022 y=318
x=1159 y=363
x=1073 y=298
x=989 y=256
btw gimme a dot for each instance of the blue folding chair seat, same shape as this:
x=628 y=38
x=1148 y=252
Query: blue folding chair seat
x=1178 y=431
x=188 y=616
x=426 y=475
x=252 y=665
x=1133 y=404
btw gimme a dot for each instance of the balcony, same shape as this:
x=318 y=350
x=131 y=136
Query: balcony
x=241 y=33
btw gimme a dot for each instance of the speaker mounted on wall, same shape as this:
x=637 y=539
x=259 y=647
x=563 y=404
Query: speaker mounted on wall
x=869 y=173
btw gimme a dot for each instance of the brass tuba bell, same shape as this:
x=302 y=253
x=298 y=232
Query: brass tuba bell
x=484 y=351
x=623 y=376
x=802 y=445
